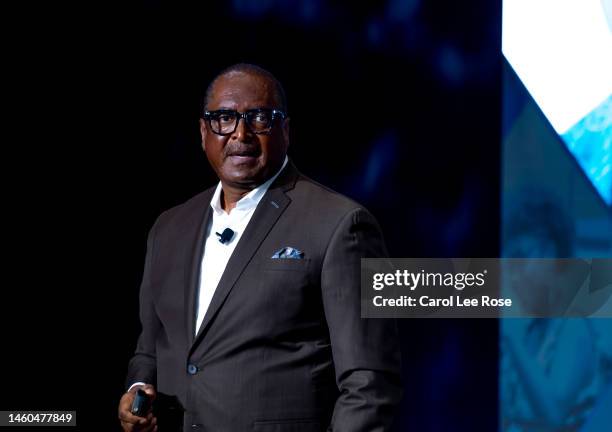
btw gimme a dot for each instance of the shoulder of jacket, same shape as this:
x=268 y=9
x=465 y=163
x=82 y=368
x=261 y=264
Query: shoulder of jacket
x=195 y=205
x=334 y=201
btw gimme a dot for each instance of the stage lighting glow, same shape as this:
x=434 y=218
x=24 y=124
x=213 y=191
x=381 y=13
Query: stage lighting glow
x=562 y=52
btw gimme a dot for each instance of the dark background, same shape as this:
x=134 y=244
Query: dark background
x=395 y=104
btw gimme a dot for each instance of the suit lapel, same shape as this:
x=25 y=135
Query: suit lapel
x=269 y=209
x=192 y=270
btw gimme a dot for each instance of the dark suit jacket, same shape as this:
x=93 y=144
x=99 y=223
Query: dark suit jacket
x=282 y=346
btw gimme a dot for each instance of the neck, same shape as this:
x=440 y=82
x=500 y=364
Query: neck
x=232 y=193
x=230 y=196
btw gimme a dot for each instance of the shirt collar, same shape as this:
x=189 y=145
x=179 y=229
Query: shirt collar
x=250 y=200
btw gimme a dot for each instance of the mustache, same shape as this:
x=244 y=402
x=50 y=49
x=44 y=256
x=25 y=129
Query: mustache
x=241 y=149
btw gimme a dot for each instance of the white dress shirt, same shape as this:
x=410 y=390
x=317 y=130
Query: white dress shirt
x=217 y=254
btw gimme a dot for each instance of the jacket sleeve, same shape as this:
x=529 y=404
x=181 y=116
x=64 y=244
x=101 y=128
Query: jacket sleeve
x=365 y=351
x=143 y=366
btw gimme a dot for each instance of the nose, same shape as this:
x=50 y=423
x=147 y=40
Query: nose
x=242 y=132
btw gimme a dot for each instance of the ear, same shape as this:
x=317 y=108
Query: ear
x=286 y=133
x=203 y=132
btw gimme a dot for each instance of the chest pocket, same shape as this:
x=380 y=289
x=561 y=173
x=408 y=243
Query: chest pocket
x=285 y=288
x=287 y=264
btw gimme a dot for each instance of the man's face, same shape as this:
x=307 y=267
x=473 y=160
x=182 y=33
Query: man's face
x=243 y=159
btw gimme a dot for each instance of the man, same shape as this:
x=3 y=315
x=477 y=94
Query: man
x=258 y=327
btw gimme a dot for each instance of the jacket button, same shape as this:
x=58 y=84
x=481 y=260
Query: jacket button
x=196 y=426
x=192 y=369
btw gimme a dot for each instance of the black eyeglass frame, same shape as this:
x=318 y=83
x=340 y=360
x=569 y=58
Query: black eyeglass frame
x=275 y=114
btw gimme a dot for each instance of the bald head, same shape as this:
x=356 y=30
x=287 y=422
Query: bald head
x=278 y=93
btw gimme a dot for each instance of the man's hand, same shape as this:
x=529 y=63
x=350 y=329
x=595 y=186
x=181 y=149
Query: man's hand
x=130 y=422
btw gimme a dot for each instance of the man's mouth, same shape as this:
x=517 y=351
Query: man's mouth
x=245 y=153
x=242 y=156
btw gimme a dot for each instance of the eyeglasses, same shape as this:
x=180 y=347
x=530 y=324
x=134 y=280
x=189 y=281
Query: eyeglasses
x=259 y=121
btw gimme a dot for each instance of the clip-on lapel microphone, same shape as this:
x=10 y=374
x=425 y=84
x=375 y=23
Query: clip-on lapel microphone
x=226 y=235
